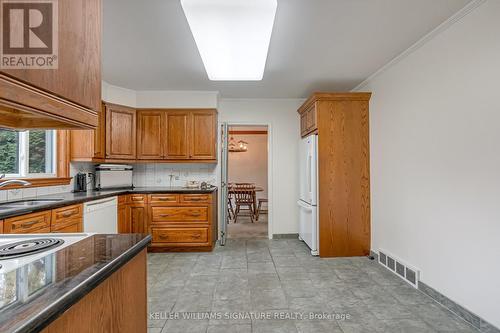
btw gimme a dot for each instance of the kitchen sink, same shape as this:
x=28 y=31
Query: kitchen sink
x=26 y=203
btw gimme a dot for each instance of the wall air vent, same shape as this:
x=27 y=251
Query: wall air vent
x=399 y=267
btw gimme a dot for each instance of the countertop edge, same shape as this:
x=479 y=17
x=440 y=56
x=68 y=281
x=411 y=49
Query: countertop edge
x=41 y=320
x=63 y=203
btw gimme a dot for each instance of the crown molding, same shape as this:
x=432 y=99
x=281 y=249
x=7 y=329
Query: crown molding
x=467 y=9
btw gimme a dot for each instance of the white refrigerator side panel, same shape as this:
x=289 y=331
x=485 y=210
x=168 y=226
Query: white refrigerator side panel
x=308 y=225
x=313 y=169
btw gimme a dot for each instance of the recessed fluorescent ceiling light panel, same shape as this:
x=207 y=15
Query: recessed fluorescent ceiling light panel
x=232 y=36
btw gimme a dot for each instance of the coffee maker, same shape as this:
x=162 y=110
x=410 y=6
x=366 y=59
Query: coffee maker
x=80 y=182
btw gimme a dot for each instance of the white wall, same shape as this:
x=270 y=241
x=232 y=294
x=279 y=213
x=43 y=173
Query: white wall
x=177 y=99
x=118 y=95
x=159 y=98
x=435 y=161
x=284 y=135
x=250 y=166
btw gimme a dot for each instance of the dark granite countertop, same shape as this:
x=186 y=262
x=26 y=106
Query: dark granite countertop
x=69 y=198
x=74 y=271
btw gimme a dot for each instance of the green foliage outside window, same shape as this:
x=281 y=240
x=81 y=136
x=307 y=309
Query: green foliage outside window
x=9 y=150
x=37 y=150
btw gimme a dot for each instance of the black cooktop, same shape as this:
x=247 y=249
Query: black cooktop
x=28 y=247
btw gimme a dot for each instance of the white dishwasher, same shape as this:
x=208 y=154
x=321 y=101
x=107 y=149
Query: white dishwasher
x=100 y=216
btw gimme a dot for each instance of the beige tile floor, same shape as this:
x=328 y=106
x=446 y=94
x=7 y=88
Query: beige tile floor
x=244 y=228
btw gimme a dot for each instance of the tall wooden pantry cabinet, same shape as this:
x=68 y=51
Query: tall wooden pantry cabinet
x=341 y=122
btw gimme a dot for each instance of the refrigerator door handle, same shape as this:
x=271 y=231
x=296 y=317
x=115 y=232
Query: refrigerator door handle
x=303 y=205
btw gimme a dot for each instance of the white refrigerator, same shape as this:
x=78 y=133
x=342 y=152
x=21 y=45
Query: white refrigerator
x=308 y=199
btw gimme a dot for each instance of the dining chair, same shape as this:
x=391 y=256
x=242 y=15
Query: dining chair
x=230 y=199
x=244 y=194
x=260 y=210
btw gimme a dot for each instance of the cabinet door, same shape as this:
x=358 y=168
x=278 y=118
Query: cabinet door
x=120 y=132
x=78 y=74
x=100 y=135
x=90 y=145
x=137 y=215
x=203 y=136
x=177 y=130
x=303 y=123
x=123 y=220
x=149 y=134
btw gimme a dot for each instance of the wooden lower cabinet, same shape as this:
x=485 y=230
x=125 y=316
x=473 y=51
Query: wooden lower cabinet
x=66 y=219
x=132 y=213
x=137 y=215
x=182 y=222
x=195 y=236
x=30 y=223
x=123 y=221
x=119 y=304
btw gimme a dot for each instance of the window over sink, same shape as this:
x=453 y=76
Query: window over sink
x=28 y=154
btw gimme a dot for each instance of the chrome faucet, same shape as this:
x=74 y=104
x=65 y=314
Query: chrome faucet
x=12 y=181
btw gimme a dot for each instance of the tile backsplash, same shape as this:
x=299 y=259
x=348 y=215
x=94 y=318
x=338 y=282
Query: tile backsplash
x=144 y=175
x=163 y=174
x=20 y=193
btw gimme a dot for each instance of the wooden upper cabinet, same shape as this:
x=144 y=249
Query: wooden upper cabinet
x=90 y=145
x=68 y=96
x=120 y=132
x=308 y=120
x=150 y=134
x=203 y=142
x=177 y=134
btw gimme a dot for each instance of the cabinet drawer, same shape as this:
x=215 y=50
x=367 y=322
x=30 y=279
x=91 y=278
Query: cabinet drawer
x=180 y=235
x=122 y=199
x=159 y=198
x=36 y=222
x=62 y=215
x=76 y=226
x=187 y=198
x=137 y=198
x=180 y=214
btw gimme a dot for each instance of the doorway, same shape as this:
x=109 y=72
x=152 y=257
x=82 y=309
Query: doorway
x=247 y=181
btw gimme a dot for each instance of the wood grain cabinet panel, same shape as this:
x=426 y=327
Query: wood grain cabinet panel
x=90 y=145
x=186 y=236
x=177 y=133
x=1 y=226
x=179 y=214
x=120 y=132
x=74 y=227
x=70 y=95
x=203 y=142
x=341 y=122
x=67 y=219
x=117 y=305
x=164 y=198
x=150 y=134
x=124 y=226
x=30 y=223
x=194 y=198
x=182 y=221
x=137 y=215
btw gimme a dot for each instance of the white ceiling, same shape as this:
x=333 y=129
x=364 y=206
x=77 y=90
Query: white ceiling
x=328 y=45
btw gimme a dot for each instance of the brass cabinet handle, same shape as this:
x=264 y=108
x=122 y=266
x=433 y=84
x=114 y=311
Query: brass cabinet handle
x=26 y=224
x=68 y=214
x=195 y=199
x=164 y=215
